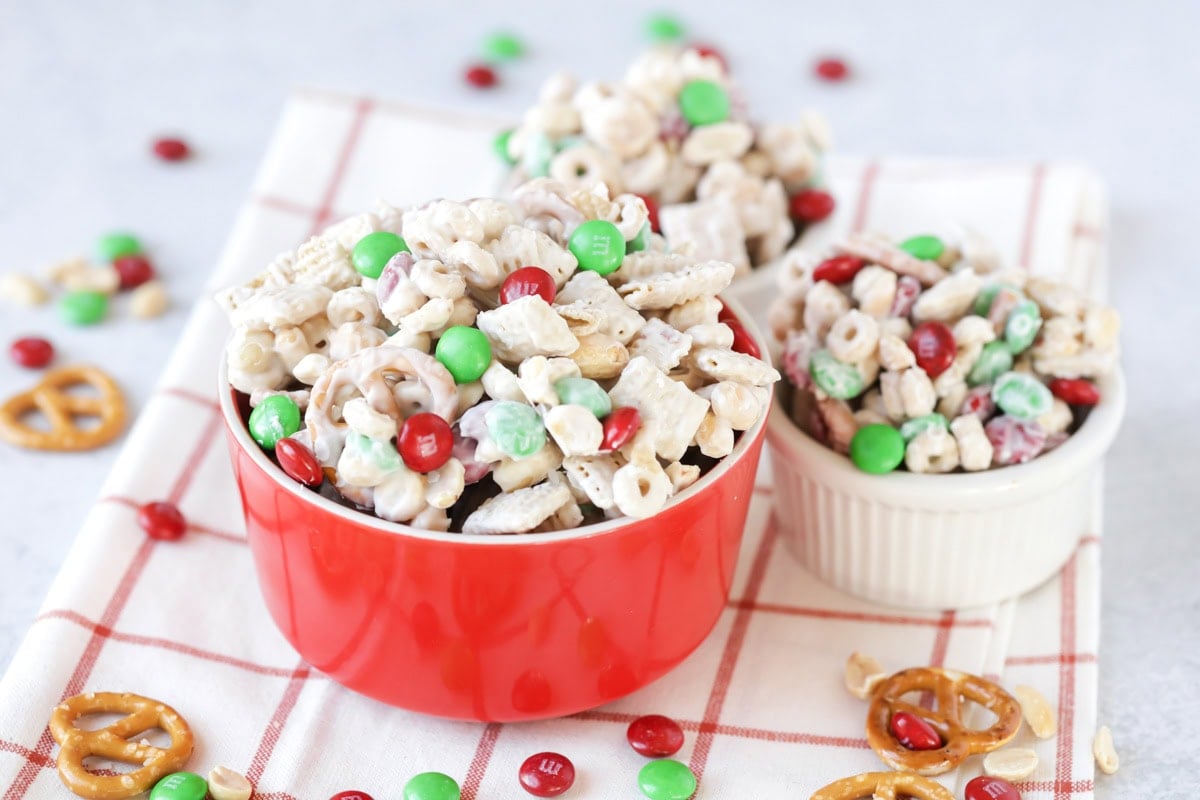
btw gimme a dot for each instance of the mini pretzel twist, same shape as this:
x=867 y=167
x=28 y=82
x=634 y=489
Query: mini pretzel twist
x=883 y=786
x=113 y=742
x=60 y=408
x=950 y=689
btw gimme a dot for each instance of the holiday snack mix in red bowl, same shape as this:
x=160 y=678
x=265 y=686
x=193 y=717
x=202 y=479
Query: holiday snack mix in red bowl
x=495 y=457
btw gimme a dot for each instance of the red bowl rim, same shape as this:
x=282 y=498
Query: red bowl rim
x=707 y=481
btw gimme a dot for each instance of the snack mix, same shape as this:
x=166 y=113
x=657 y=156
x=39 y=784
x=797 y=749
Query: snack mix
x=496 y=366
x=676 y=132
x=924 y=353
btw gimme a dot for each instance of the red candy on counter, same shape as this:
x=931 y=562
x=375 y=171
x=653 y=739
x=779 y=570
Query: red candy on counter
x=480 y=76
x=620 y=426
x=708 y=51
x=298 y=462
x=162 y=521
x=425 y=442
x=839 y=269
x=171 y=149
x=546 y=774
x=133 y=270
x=528 y=281
x=32 y=352
x=655 y=736
x=810 y=205
x=1075 y=391
x=914 y=732
x=352 y=795
x=986 y=787
x=831 y=69
x=933 y=344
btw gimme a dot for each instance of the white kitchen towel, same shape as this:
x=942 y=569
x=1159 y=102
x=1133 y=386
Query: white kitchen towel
x=761 y=700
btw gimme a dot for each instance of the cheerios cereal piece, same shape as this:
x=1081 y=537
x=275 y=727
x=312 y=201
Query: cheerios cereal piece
x=933 y=450
x=823 y=306
x=641 y=488
x=974 y=448
x=874 y=289
x=853 y=338
x=681 y=475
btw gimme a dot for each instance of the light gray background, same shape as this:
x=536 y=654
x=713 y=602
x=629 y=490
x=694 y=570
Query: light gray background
x=85 y=86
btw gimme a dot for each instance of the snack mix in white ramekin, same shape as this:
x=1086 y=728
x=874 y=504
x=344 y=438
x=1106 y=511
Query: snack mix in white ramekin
x=923 y=353
x=495 y=366
x=675 y=131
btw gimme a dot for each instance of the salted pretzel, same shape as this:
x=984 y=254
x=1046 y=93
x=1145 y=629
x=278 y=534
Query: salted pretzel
x=115 y=743
x=951 y=689
x=60 y=408
x=883 y=786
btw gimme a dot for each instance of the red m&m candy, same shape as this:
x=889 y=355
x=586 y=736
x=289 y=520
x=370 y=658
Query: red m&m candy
x=133 y=270
x=620 y=426
x=33 y=352
x=425 y=442
x=171 y=149
x=655 y=736
x=651 y=211
x=914 y=732
x=352 y=794
x=546 y=774
x=839 y=269
x=161 y=521
x=933 y=344
x=743 y=342
x=811 y=205
x=480 y=76
x=986 y=787
x=298 y=462
x=1075 y=391
x=528 y=281
x=831 y=69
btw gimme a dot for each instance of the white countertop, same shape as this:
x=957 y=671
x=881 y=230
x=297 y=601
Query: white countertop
x=84 y=87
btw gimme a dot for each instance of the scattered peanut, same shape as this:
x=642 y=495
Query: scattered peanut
x=149 y=300
x=1011 y=764
x=22 y=290
x=1105 y=753
x=862 y=674
x=225 y=784
x=1038 y=714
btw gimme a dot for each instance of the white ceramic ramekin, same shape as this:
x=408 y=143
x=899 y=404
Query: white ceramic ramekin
x=938 y=541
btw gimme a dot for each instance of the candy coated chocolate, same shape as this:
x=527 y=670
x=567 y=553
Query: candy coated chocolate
x=839 y=269
x=926 y=248
x=914 y=732
x=431 y=786
x=161 y=521
x=584 y=392
x=275 y=417
x=32 y=352
x=546 y=774
x=703 y=103
x=655 y=736
x=425 y=442
x=877 y=449
x=986 y=787
x=620 y=427
x=598 y=246
x=528 y=281
x=465 y=352
x=180 y=786
x=667 y=779
x=836 y=379
x=1075 y=391
x=112 y=246
x=373 y=251
x=298 y=462
x=810 y=205
x=83 y=307
x=933 y=344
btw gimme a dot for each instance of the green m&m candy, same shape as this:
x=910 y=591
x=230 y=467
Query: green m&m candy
x=274 y=418
x=536 y=155
x=877 y=448
x=584 y=392
x=926 y=248
x=836 y=379
x=664 y=28
x=500 y=145
x=598 y=246
x=1022 y=326
x=703 y=103
x=465 y=352
x=375 y=250
x=382 y=454
x=112 y=246
x=516 y=428
x=918 y=425
x=994 y=360
x=1021 y=395
x=180 y=786
x=640 y=242
x=503 y=46
x=83 y=307
x=667 y=779
x=431 y=786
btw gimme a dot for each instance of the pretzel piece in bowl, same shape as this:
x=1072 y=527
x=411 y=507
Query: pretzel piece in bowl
x=951 y=690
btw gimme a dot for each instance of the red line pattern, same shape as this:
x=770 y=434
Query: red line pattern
x=863 y=203
x=1063 y=767
x=859 y=616
x=733 y=649
x=480 y=761
x=362 y=109
x=1056 y=658
x=1031 y=216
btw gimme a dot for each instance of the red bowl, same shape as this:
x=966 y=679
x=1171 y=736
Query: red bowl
x=492 y=628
